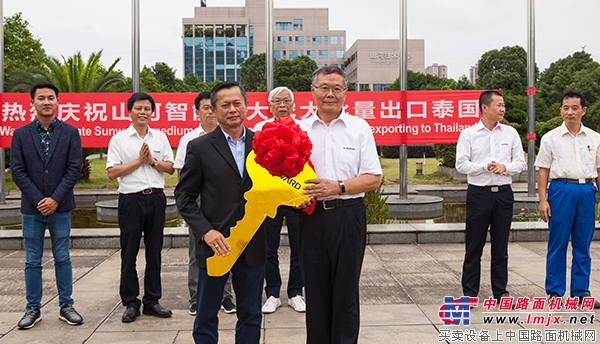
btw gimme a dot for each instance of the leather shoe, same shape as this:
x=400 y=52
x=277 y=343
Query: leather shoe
x=158 y=311
x=131 y=313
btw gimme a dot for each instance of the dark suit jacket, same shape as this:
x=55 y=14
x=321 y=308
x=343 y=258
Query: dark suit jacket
x=211 y=172
x=54 y=176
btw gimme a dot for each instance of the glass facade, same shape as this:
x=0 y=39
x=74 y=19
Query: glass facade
x=216 y=51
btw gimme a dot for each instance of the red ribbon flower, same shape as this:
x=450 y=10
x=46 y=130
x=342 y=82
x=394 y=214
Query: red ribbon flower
x=282 y=147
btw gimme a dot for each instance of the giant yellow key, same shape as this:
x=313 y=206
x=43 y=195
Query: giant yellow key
x=267 y=193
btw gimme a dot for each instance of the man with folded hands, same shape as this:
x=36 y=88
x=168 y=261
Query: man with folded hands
x=139 y=156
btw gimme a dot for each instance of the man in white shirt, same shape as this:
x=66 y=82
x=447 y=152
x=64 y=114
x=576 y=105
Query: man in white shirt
x=208 y=123
x=333 y=237
x=281 y=100
x=139 y=156
x=489 y=153
x=569 y=158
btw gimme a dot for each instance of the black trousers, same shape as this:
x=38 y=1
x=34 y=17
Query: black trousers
x=139 y=214
x=332 y=247
x=493 y=210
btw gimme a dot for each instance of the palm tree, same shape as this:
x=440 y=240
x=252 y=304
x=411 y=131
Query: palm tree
x=72 y=74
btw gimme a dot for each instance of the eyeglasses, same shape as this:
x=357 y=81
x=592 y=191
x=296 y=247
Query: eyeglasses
x=325 y=89
x=279 y=101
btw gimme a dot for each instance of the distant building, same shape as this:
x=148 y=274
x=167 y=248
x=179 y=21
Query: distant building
x=473 y=74
x=218 y=39
x=441 y=71
x=374 y=63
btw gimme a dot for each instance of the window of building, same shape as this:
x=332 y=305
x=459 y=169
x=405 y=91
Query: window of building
x=301 y=52
x=319 y=65
x=339 y=54
x=342 y=40
x=298 y=24
x=293 y=53
x=290 y=40
x=284 y=55
x=312 y=54
x=251 y=37
x=277 y=54
x=280 y=39
x=323 y=54
x=299 y=39
x=380 y=87
x=307 y=39
x=283 y=26
x=332 y=53
x=316 y=40
x=325 y=40
x=363 y=87
x=334 y=40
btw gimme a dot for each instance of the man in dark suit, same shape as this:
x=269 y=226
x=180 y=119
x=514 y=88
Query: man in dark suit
x=45 y=159
x=215 y=170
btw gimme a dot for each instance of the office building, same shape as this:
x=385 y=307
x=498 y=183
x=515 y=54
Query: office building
x=218 y=39
x=373 y=64
x=441 y=71
x=473 y=74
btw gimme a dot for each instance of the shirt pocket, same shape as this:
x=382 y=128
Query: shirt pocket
x=349 y=158
x=503 y=153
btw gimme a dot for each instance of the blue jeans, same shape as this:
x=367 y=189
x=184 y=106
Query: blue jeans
x=34 y=227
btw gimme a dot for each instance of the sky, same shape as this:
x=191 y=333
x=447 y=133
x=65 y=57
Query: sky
x=456 y=32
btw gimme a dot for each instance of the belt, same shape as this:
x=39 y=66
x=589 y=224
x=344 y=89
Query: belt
x=492 y=188
x=337 y=203
x=578 y=181
x=149 y=191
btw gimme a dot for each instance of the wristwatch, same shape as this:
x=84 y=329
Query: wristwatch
x=342 y=187
x=155 y=163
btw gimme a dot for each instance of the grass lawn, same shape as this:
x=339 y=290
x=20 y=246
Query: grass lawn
x=391 y=173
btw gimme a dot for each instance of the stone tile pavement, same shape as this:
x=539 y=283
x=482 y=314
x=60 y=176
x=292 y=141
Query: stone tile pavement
x=402 y=289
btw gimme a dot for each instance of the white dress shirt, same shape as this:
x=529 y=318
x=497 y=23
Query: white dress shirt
x=125 y=147
x=570 y=156
x=183 y=143
x=477 y=146
x=345 y=149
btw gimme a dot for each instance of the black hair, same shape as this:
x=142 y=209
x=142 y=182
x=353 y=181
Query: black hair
x=573 y=94
x=201 y=96
x=43 y=85
x=137 y=97
x=486 y=98
x=222 y=86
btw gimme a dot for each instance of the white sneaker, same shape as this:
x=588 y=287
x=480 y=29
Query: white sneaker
x=297 y=303
x=271 y=304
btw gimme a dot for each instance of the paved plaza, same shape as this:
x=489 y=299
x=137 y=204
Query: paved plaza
x=402 y=289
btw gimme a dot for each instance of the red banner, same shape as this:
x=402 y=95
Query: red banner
x=396 y=117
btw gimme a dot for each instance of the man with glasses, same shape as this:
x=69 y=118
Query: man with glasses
x=281 y=100
x=333 y=237
x=138 y=157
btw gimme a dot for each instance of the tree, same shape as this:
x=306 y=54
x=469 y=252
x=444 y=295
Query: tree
x=253 y=73
x=504 y=69
x=561 y=76
x=165 y=75
x=21 y=49
x=193 y=83
x=296 y=74
x=420 y=81
x=148 y=82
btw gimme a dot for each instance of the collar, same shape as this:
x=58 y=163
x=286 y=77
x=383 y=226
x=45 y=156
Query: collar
x=130 y=131
x=564 y=130
x=479 y=126
x=39 y=126
x=343 y=118
x=243 y=137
